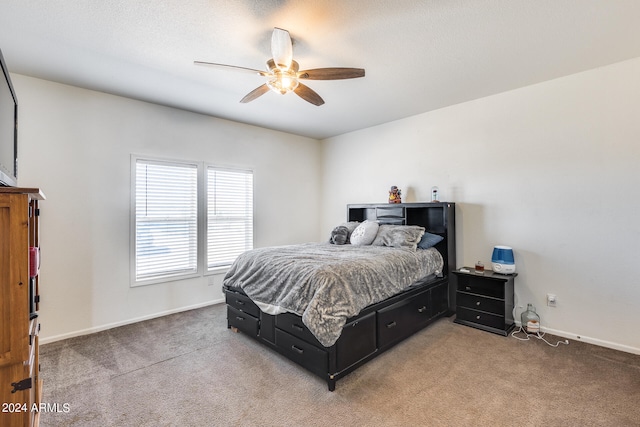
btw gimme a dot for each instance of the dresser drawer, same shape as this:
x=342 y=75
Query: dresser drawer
x=481 y=286
x=242 y=303
x=480 y=317
x=292 y=324
x=477 y=302
x=303 y=353
x=243 y=321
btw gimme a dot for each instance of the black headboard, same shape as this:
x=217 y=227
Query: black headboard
x=437 y=218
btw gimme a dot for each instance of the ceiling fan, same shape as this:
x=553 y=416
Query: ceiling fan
x=283 y=75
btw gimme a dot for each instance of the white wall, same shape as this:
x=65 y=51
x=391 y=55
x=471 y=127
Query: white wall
x=550 y=169
x=76 y=144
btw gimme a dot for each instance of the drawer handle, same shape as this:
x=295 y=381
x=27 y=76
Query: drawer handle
x=478 y=317
x=239 y=302
x=240 y=318
x=297 y=327
x=391 y=324
x=422 y=309
x=468 y=288
x=297 y=349
x=478 y=303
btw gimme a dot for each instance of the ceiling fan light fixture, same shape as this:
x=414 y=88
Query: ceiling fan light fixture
x=282 y=84
x=283 y=81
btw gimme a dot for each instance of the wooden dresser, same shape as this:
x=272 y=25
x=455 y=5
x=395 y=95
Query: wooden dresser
x=20 y=383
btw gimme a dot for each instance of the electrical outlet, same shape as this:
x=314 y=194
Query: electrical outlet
x=211 y=281
x=551 y=300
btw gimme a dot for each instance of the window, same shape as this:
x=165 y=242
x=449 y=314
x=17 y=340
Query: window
x=187 y=218
x=165 y=220
x=229 y=216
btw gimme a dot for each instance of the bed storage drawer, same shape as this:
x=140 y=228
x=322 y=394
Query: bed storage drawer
x=292 y=324
x=401 y=319
x=302 y=353
x=358 y=340
x=241 y=302
x=243 y=321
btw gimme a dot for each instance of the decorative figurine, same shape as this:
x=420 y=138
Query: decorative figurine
x=395 y=195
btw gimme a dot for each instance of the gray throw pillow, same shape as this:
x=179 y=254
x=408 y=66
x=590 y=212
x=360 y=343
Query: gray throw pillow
x=339 y=235
x=399 y=236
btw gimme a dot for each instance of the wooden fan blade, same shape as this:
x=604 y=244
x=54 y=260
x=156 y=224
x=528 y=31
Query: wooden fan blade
x=281 y=48
x=308 y=94
x=335 y=73
x=232 y=67
x=257 y=92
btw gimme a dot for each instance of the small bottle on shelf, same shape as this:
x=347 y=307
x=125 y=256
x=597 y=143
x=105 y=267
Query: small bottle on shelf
x=479 y=267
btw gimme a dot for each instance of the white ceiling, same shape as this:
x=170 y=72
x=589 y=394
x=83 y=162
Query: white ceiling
x=419 y=55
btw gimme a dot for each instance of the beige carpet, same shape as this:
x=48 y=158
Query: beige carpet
x=188 y=369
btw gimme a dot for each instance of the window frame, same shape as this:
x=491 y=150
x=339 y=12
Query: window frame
x=202 y=195
x=133 y=280
x=205 y=252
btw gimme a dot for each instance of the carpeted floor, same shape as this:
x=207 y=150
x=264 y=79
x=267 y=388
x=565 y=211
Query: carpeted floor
x=188 y=369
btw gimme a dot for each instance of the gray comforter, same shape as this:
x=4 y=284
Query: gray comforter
x=326 y=284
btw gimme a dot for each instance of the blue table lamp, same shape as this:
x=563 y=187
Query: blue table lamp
x=502 y=260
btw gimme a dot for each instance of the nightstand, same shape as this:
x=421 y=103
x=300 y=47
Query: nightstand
x=485 y=300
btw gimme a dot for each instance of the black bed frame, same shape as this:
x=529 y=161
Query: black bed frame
x=378 y=327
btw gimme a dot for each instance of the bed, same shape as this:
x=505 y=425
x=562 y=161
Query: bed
x=331 y=308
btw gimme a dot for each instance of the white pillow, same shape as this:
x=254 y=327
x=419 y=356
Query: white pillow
x=365 y=233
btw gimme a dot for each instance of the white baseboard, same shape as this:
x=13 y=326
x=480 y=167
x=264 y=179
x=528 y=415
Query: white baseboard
x=126 y=322
x=589 y=340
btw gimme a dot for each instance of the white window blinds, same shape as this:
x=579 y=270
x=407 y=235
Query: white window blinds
x=166 y=219
x=229 y=215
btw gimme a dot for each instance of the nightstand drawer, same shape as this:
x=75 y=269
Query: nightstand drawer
x=480 y=318
x=242 y=303
x=481 y=286
x=476 y=302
